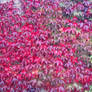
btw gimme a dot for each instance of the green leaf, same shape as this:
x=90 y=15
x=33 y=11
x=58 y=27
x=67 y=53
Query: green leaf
x=77 y=13
x=90 y=19
x=90 y=90
x=91 y=39
x=85 y=91
x=90 y=10
x=91 y=58
x=78 y=30
x=62 y=5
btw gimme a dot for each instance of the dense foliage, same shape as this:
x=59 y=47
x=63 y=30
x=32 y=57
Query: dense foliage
x=47 y=47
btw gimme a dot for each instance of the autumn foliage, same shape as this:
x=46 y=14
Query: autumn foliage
x=47 y=47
